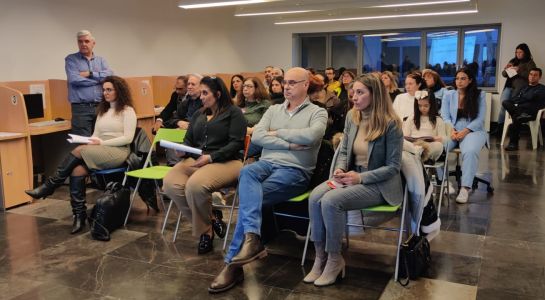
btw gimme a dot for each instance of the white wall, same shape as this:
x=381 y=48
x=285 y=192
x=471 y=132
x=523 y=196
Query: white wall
x=136 y=37
x=157 y=38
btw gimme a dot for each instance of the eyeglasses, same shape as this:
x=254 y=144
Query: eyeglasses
x=291 y=83
x=108 y=90
x=247 y=86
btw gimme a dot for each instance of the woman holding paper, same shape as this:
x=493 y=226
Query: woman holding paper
x=218 y=129
x=516 y=74
x=366 y=174
x=107 y=148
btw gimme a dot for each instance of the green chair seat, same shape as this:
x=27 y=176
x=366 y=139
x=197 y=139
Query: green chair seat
x=300 y=198
x=155 y=172
x=383 y=208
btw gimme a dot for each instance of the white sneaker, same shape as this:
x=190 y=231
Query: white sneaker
x=462 y=196
x=451 y=188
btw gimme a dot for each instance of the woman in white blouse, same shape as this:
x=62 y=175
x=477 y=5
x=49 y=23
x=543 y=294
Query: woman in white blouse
x=404 y=103
x=108 y=147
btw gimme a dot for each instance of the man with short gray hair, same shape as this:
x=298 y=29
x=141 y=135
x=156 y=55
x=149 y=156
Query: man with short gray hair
x=85 y=72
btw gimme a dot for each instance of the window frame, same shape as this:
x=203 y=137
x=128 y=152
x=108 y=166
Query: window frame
x=297 y=51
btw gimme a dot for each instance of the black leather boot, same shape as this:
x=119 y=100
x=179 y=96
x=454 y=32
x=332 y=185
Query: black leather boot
x=77 y=200
x=63 y=171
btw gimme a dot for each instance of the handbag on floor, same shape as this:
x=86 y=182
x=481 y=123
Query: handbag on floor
x=414 y=258
x=110 y=211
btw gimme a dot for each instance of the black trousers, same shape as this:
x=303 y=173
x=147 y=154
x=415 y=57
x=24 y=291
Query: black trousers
x=516 y=109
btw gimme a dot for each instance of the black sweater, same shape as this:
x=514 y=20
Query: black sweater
x=222 y=137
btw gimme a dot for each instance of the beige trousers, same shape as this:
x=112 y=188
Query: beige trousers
x=191 y=188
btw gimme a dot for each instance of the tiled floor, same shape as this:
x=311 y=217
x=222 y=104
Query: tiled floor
x=491 y=248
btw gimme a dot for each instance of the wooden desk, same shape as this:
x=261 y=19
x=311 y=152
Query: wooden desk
x=40 y=130
x=15 y=149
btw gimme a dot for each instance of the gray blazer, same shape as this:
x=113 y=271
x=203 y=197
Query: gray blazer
x=384 y=160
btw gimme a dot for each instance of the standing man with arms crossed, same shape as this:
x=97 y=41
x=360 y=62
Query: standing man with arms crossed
x=85 y=72
x=290 y=134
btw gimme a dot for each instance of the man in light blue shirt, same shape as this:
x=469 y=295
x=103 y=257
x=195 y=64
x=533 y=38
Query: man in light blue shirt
x=85 y=72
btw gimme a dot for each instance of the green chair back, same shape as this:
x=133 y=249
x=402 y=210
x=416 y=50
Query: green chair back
x=383 y=208
x=169 y=134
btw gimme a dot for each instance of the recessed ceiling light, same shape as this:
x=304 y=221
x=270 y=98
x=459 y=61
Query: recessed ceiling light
x=274 y=13
x=420 y=3
x=220 y=3
x=381 y=17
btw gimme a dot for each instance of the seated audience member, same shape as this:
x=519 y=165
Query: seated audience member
x=268 y=76
x=335 y=111
x=390 y=81
x=108 y=148
x=522 y=63
x=276 y=72
x=189 y=104
x=332 y=85
x=464 y=110
x=434 y=82
x=404 y=103
x=276 y=90
x=290 y=135
x=366 y=173
x=425 y=122
x=180 y=89
x=346 y=79
x=523 y=107
x=218 y=129
x=255 y=102
x=236 y=88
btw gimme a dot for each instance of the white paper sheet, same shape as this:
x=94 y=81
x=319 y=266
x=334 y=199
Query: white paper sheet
x=180 y=147
x=78 y=139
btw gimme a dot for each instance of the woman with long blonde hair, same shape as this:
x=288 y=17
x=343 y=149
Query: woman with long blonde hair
x=367 y=173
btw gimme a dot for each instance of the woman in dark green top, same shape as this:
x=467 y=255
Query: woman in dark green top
x=255 y=102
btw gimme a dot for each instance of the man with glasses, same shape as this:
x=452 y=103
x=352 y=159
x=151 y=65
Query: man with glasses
x=180 y=90
x=290 y=134
x=85 y=72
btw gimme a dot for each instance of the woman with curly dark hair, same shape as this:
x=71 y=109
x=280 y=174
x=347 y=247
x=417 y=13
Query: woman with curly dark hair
x=108 y=147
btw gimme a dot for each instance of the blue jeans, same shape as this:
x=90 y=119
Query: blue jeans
x=505 y=95
x=261 y=184
x=327 y=209
x=83 y=119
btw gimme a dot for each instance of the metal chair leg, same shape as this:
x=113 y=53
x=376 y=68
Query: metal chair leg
x=306 y=246
x=166 y=217
x=235 y=199
x=177 y=226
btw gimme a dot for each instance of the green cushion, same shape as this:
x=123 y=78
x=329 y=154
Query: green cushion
x=300 y=198
x=383 y=208
x=155 y=172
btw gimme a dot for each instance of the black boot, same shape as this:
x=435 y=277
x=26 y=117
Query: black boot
x=63 y=171
x=77 y=200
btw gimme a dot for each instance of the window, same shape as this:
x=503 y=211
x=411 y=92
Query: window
x=396 y=52
x=313 y=52
x=480 y=54
x=442 y=53
x=344 y=52
x=442 y=49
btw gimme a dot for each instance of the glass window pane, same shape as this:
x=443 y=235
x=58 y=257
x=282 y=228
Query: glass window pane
x=442 y=53
x=480 y=49
x=396 y=52
x=313 y=52
x=344 y=52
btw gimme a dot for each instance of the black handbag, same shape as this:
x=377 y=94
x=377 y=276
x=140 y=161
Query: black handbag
x=414 y=258
x=110 y=211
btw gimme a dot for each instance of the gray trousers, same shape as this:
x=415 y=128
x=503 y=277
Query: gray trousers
x=327 y=210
